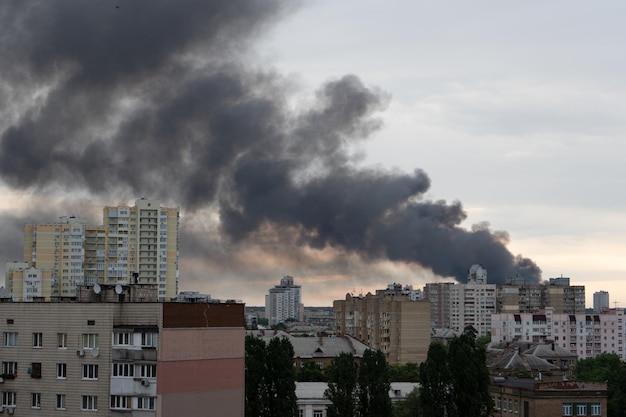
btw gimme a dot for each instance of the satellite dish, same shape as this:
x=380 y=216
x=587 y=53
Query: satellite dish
x=95 y=352
x=118 y=289
x=97 y=288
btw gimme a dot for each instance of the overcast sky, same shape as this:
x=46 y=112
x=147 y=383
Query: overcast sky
x=319 y=140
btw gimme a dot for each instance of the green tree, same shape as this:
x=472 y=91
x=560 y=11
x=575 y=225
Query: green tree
x=270 y=378
x=409 y=372
x=435 y=378
x=342 y=385
x=256 y=390
x=409 y=407
x=373 y=385
x=609 y=368
x=281 y=378
x=311 y=372
x=469 y=378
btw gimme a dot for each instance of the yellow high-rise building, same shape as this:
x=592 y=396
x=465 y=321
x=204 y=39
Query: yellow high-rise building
x=137 y=244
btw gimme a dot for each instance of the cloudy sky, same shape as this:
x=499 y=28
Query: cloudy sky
x=349 y=144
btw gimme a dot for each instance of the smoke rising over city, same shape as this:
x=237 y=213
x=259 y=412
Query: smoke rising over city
x=168 y=100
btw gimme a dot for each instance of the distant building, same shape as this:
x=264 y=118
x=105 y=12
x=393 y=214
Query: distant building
x=320 y=350
x=586 y=335
x=134 y=244
x=397 y=289
x=528 y=397
x=600 y=301
x=438 y=294
x=558 y=294
x=113 y=354
x=284 y=302
x=395 y=324
x=312 y=402
x=472 y=304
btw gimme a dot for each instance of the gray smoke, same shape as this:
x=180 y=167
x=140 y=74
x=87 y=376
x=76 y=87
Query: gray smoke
x=162 y=98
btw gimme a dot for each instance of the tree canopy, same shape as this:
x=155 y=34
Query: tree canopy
x=270 y=378
x=609 y=368
x=455 y=380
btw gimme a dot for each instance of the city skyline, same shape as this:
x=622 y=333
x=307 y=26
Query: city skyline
x=252 y=121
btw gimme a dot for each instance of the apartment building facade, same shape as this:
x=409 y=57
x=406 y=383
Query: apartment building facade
x=395 y=324
x=114 y=358
x=134 y=244
x=586 y=335
x=557 y=293
x=284 y=301
x=472 y=304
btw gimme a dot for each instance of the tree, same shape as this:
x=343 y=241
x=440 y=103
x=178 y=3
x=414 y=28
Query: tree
x=311 y=372
x=609 y=368
x=270 y=378
x=373 y=385
x=256 y=390
x=281 y=378
x=409 y=407
x=342 y=384
x=409 y=372
x=469 y=377
x=435 y=381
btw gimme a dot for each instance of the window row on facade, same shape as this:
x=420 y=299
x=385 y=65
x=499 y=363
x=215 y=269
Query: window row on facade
x=89 y=371
x=87 y=402
x=89 y=340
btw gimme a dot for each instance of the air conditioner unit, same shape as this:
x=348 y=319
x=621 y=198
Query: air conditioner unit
x=80 y=352
x=145 y=382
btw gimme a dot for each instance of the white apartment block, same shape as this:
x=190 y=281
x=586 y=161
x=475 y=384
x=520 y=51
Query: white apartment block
x=284 y=301
x=586 y=335
x=134 y=244
x=473 y=304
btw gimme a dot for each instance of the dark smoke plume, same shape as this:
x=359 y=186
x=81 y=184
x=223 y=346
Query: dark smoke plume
x=161 y=98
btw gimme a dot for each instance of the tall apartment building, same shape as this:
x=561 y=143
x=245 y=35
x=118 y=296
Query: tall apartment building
x=142 y=243
x=600 y=301
x=472 y=304
x=586 y=335
x=284 y=301
x=109 y=355
x=438 y=293
x=138 y=243
x=558 y=294
x=395 y=324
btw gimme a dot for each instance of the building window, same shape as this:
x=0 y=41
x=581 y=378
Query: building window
x=596 y=410
x=35 y=370
x=60 y=405
x=90 y=340
x=9 y=369
x=37 y=340
x=119 y=402
x=146 y=403
x=122 y=338
x=123 y=369
x=90 y=371
x=300 y=412
x=147 y=371
x=581 y=409
x=318 y=413
x=8 y=399
x=35 y=400
x=61 y=370
x=568 y=409
x=515 y=406
x=62 y=340
x=10 y=339
x=149 y=340
x=90 y=402
x=498 y=404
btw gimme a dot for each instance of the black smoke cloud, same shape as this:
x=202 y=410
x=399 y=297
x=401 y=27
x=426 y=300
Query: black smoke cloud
x=164 y=99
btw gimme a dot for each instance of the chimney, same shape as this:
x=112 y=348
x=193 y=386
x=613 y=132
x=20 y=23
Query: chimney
x=552 y=346
x=320 y=336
